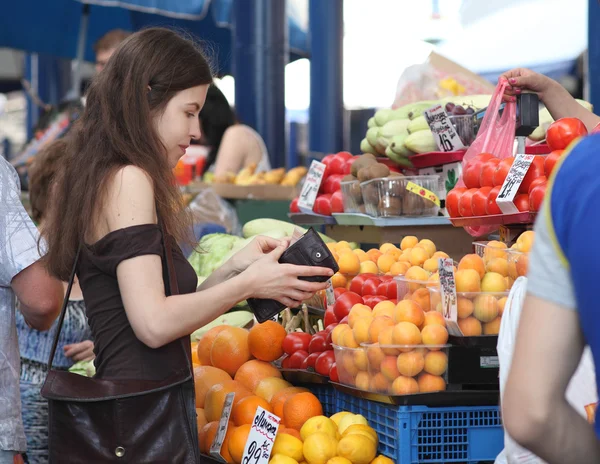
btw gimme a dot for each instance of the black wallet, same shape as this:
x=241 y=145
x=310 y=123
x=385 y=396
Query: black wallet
x=309 y=250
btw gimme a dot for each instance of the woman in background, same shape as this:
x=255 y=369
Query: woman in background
x=233 y=146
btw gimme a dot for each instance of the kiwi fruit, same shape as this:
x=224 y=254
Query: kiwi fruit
x=371 y=193
x=363 y=161
x=395 y=174
x=364 y=174
x=377 y=171
x=348 y=178
x=390 y=206
x=413 y=204
x=356 y=192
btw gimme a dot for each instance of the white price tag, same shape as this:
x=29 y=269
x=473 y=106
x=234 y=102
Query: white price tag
x=443 y=130
x=261 y=437
x=511 y=184
x=329 y=293
x=215 y=448
x=311 y=186
x=448 y=293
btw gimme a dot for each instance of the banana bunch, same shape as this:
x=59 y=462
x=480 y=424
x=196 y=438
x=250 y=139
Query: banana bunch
x=249 y=176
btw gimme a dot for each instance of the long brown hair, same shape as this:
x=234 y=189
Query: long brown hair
x=116 y=130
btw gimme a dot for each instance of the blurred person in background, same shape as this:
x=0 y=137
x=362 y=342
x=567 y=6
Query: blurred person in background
x=233 y=146
x=35 y=346
x=22 y=275
x=106 y=45
x=560 y=313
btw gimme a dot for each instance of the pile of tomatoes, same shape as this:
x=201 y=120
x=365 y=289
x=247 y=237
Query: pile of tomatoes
x=484 y=175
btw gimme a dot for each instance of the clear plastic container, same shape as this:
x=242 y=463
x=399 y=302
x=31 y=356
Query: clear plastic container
x=479 y=313
x=352 y=197
x=505 y=261
x=407 y=369
x=465 y=127
x=352 y=366
x=388 y=197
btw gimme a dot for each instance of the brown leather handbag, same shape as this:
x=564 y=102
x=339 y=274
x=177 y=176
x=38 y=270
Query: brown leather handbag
x=122 y=421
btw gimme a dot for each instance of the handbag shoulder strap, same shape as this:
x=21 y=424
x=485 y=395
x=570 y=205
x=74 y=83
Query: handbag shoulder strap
x=63 y=311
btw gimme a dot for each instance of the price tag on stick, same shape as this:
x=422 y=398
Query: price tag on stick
x=261 y=437
x=443 y=130
x=215 y=448
x=448 y=295
x=510 y=187
x=311 y=186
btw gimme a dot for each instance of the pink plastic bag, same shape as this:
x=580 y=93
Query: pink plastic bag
x=496 y=136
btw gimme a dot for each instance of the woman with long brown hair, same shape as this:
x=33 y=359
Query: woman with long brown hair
x=116 y=193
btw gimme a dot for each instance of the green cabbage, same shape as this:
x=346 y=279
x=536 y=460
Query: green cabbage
x=212 y=251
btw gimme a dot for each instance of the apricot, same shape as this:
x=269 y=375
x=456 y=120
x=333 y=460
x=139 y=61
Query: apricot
x=474 y=262
x=467 y=280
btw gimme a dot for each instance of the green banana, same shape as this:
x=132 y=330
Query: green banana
x=366 y=147
x=394 y=127
x=418 y=124
x=371 y=123
x=382 y=116
x=397 y=145
x=421 y=142
x=398 y=159
x=373 y=135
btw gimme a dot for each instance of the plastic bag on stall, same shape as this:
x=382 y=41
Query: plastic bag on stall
x=581 y=392
x=496 y=136
x=210 y=208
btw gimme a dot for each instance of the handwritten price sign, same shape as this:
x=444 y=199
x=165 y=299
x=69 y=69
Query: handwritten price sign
x=261 y=437
x=510 y=187
x=448 y=293
x=311 y=186
x=443 y=130
x=215 y=448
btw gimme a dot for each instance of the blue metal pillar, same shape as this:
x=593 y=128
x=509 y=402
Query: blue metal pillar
x=261 y=51
x=326 y=114
x=593 y=59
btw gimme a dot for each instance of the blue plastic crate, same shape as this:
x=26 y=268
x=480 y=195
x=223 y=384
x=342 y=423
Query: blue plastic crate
x=421 y=434
x=327 y=397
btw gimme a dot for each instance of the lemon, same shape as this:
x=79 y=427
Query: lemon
x=319 y=448
x=338 y=417
x=281 y=459
x=381 y=459
x=361 y=429
x=288 y=445
x=347 y=421
x=339 y=460
x=318 y=424
x=358 y=449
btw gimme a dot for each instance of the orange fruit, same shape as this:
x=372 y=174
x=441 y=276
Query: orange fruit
x=470 y=327
x=195 y=358
x=418 y=256
x=339 y=280
x=406 y=333
x=399 y=268
x=279 y=398
x=409 y=311
x=409 y=241
x=434 y=335
x=264 y=341
x=237 y=442
x=385 y=262
x=433 y=317
x=244 y=410
x=377 y=325
x=374 y=254
x=465 y=307
x=368 y=267
x=474 y=262
x=436 y=362
x=384 y=308
x=492 y=327
x=358 y=311
x=200 y=418
x=267 y=388
x=411 y=363
x=486 y=308
x=299 y=408
x=430 y=383
x=215 y=398
x=204 y=378
x=389 y=367
x=206 y=435
x=349 y=263
x=205 y=344
x=252 y=372
x=467 y=280
x=230 y=349
x=405 y=386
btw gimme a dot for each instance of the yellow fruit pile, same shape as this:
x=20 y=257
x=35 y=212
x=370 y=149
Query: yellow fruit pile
x=392 y=349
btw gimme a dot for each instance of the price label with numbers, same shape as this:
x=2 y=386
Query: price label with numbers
x=261 y=437
x=311 y=187
x=215 y=448
x=329 y=293
x=443 y=130
x=422 y=192
x=448 y=295
x=510 y=187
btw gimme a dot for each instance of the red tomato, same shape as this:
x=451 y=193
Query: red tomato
x=309 y=361
x=486 y=179
x=370 y=286
x=344 y=155
x=372 y=300
x=332 y=183
x=333 y=373
x=348 y=164
x=388 y=289
x=294 y=208
x=479 y=201
x=324 y=362
x=536 y=196
x=338 y=291
x=337 y=203
x=330 y=328
x=551 y=161
x=358 y=281
x=464 y=204
x=296 y=341
x=452 y=199
x=336 y=166
x=323 y=205
x=502 y=170
x=329 y=317
x=491 y=207
x=535 y=183
x=521 y=201
x=318 y=343
x=535 y=170
x=344 y=303
x=561 y=133
x=285 y=362
x=472 y=170
x=344 y=320
x=327 y=161
x=297 y=358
